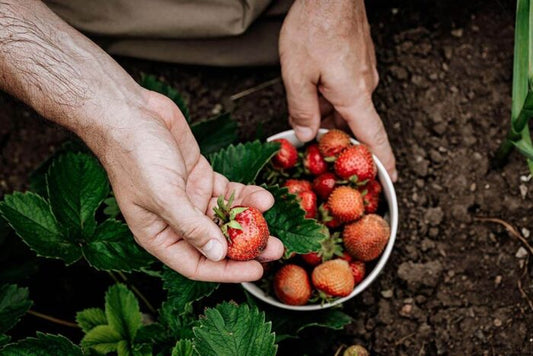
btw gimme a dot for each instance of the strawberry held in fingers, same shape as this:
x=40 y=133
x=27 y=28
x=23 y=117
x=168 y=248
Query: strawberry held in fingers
x=296 y=186
x=244 y=227
x=287 y=155
x=346 y=204
x=333 y=278
x=356 y=164
x=291 y=285
x=366 y=238
x=324 y=184
x=333 y=143
x=313 y=161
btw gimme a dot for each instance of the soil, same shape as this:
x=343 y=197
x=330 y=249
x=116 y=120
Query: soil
x=454 y=285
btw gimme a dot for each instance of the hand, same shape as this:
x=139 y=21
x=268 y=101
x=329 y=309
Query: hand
x=329 y=70
x=166 y=191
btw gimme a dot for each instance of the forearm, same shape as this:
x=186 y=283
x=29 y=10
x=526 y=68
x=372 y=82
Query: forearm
x=58 y=71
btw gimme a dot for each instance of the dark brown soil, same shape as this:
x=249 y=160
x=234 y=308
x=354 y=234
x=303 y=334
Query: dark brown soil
x=454 y=285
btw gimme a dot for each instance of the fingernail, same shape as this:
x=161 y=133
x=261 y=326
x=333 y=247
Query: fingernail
x=213 y=250
x=394 y=176
x=304 y=133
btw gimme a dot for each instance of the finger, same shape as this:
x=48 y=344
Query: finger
x=302 y=100
x=186 y=260
x=273 y=251
x=191 y=224
x=255 y=196
x=367 y=126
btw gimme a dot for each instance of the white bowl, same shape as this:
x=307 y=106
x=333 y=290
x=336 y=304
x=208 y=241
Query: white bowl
x=391 y=217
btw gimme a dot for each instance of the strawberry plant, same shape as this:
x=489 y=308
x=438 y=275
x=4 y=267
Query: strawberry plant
x=522 y=106
x=70 y=214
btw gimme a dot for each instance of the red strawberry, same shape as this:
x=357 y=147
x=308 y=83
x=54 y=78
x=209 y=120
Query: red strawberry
x=287 y=156
x=296 y=186
x=312 y=258
x=324 y=184
x=356 y=164
x=366 y=238
x=313 y=161
x=245 y=229
x=333 y=142
x=327 y=218
x=358 y=270
x=371 y=192
x=346 y=204
x=334 y=278
x=308 y=203
x=346 y=256
x=291 y=285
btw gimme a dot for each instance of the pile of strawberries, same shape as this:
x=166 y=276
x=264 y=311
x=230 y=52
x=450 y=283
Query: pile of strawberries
x=335 y=183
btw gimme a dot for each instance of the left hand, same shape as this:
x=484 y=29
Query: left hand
x=329 y=69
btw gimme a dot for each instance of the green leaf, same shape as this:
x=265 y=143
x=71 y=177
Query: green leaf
x=154 y=333
x=122 y=311
x=286 y=220
x=178 y=323
x=215 y=133
x=524 y=148
x=102 y=338
x=183 y=348
x=4 y=339
x=90 y=318
x=287 y=324
x=114 y=248
x=14 y=303
x=32 y=219
x=150 y=82
x=42 y=345
x=112 y=210
x=183 y=291
x=77 y=185
x=233 y=330
x=242 y=163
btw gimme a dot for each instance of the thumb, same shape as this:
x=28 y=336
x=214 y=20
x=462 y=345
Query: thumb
x=196 y=228
x=367 y=126
x=304 y=111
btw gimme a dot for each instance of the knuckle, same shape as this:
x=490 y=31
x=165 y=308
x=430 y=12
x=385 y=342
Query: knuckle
x=299 y=115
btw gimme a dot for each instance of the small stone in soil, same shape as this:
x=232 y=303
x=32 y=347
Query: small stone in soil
x=388 y=293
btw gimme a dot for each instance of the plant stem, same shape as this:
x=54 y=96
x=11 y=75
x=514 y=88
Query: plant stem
x=53 y=320
x=138 y=293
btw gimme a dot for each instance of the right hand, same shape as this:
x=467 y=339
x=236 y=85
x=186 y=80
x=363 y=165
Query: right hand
x=166 y=191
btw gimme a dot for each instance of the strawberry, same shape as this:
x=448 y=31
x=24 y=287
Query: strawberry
x=366 y=238
x=296 y=186
x=330 y=247
x=356 y=164
x=313 y=161
x=334 y=278
x=358 y=270
x=333 y=142
x=324 y=184
x=346 y=256
x=356 y=350
x=346 y=204
x=287 y=155
x=326 y=218
x=291 y=285
x=308 y=203
x=371 y=192
x=245 y=229
x=312 y=258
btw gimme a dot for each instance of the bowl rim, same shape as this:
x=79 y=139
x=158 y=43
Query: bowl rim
x=392 y=201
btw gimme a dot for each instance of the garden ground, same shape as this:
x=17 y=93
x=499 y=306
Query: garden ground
x=454 y=285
